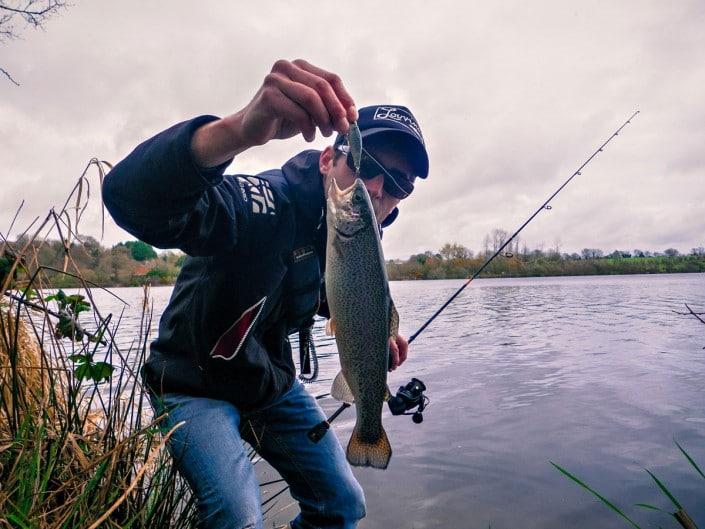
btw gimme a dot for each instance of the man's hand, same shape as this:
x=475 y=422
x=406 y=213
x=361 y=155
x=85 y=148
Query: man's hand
x=398 y=350
x=296 y=97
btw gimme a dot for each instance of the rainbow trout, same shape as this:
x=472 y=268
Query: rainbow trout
x=363 y=318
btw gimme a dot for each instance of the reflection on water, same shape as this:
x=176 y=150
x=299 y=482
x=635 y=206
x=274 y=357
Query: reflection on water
x=595 y=373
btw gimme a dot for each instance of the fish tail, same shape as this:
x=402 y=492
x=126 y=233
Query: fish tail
x=374 y=454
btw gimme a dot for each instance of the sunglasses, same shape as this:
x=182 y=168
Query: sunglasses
x=396 y=183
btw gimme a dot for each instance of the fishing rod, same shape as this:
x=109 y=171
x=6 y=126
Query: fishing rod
x=412 y=393
x=545 y=206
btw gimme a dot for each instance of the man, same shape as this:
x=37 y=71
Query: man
x=256 y=244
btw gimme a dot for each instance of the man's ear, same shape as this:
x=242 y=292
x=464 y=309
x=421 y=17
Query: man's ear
x=326 y=160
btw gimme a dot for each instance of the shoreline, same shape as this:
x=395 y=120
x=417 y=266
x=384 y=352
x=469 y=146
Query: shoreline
x=459 y=278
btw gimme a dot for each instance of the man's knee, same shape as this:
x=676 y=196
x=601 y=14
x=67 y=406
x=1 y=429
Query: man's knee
x=223 y=517
x=357 y=503
x=342 y=504
x=223 y=510
x=349 y=501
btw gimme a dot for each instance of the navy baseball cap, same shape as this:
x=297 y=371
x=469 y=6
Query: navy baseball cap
x=398 y=120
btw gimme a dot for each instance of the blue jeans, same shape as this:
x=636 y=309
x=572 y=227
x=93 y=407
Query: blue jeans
x=209 y=453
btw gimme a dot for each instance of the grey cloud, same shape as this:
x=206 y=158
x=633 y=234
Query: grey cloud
x=511 y=97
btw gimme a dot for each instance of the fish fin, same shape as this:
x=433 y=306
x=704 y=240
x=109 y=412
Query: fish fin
x=341 y=389
x=363 y=454
x=393 y=320
x=330 y=327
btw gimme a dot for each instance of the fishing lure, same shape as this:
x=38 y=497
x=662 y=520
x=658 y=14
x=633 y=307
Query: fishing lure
x=355 y=144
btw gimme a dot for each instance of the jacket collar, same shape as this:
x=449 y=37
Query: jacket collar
x=306 y=184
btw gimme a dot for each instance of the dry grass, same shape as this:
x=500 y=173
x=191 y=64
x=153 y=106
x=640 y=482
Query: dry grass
x=26 y=374
x=77 y=448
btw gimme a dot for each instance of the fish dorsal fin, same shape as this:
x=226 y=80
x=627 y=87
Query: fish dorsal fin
x=341 y=389
x=393 y=320
x=330 y=327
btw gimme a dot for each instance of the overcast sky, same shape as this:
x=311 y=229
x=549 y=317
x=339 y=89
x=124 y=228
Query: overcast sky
x=512 y=97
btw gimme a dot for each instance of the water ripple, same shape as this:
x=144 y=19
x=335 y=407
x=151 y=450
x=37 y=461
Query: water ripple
x=597 y=373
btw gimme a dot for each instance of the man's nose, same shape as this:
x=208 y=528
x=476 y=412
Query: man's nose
x=375 y=186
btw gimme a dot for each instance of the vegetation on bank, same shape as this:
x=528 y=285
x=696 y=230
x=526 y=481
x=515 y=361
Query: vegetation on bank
x=455 y=261
x=79 y=443
x=79 y=446
x=130 y=263
x=135 y=263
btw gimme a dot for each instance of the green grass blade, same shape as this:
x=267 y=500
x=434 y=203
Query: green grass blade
x=690 y=459
x=665 y=490
x=50 y=464
x=100 y=472
x=80 y=502
x=652 y=507
x=19 y=521
x=597 y=494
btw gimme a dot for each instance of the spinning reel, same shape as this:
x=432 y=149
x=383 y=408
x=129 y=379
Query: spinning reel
x=409 y=397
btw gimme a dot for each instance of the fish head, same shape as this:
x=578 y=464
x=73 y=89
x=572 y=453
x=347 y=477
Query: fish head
x=350 y=210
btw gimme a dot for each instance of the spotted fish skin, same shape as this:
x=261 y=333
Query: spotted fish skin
x=362 y=317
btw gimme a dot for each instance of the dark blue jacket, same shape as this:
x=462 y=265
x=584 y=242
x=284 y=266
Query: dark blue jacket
x=256 y=247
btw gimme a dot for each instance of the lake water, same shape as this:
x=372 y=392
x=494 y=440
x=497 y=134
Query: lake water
x=597 y=374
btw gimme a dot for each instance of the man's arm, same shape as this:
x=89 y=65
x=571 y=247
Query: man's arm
x=159 y=195
x=170 y=190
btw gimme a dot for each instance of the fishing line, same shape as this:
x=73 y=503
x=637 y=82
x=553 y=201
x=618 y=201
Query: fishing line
x=543 y=206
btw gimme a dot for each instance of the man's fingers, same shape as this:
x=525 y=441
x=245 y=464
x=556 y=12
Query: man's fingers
x=309 y=101
x=403 y=345
x=297 y=97
x=324 y=105
x=341 y=94
x=394 y=354
x=287 y=109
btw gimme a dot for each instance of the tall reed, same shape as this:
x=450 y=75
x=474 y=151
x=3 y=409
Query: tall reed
x=78 y=446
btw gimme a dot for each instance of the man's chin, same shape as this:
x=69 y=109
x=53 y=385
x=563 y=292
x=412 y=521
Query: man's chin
x=380 y=215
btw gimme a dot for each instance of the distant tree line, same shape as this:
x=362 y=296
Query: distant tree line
x=455 y=261
x=134 y=263
x=128 y=263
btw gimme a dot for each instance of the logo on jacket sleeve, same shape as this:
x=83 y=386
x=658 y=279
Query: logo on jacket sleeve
x=258 y=192
x=231 y=341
